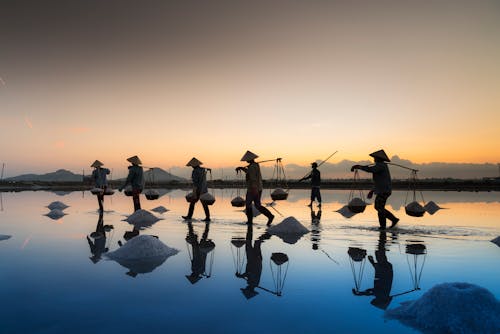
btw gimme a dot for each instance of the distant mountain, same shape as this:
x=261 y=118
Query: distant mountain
x=160 y=175
x=60 y=175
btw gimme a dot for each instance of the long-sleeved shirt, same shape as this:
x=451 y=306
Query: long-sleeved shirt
x=381 y=177
x=254 y=177
x=135 y=177
x=315 y=177
x=199 y=177
x=99 y=176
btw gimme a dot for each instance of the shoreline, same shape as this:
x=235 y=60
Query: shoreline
x=431 y=185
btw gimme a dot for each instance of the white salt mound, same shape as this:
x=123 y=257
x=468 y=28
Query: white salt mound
x=344 y=211
x=57 y=205
x=451 y=308
x=289 y=225
x=142 y=218
x=160 y=209
x=55 y=214
x=4 y=237
x=431 y=207
x=496 y=241
x=140 y=248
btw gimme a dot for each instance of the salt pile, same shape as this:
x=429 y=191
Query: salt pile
x=142 y=218
x=207 y=198
x=142 y=247
x=160 y=209
x=496 y=241
x=414 y=209
x=356 y=205
x=289 y=225
x=346 y=212
x=431 y=207
x=55 y=214
x=57 y=205
x=142 y=254
x=4 y=237
x=451 y=308
x=238 y=202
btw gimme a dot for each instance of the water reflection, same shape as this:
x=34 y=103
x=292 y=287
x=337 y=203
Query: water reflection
x=382 y=282
x=97 y=240
x=199 y=251
x=315 y=228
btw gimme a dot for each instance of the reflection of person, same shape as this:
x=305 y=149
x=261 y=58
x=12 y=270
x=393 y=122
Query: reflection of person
x=199 y=177
x=97 y=239
x=315 y=229
x=383 y=186
x=199 y=253
x=315 y=177
x=100 y=181
x=253 y=269
x=254 y=188
x=135 y=180
x=382 y=283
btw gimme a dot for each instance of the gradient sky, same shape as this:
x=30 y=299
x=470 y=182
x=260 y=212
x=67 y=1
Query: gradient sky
x=168 y=80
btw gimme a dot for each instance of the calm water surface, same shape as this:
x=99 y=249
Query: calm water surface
x=54 y=281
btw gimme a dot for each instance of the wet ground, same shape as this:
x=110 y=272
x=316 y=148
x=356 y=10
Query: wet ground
x=55 y=276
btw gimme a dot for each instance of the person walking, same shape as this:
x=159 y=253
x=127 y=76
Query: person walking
x=199 y=177
x=383 y=186
x=100 y=181
x=135 y=179
x=315 y=176
x=254 y=188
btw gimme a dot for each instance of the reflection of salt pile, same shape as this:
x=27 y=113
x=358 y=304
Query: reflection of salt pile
x=55 y=214
x=346 y=212
x=431 y=207
x=290 y=230
x=451 y=308
x=4 y=237
x=142 y=218
x=496 y=241
x=160 y=209
x=357 y=205
x=142 y=254
x=414 y=209
x=57 y=205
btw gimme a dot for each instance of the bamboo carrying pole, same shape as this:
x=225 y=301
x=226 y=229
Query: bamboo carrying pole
x=322 y=162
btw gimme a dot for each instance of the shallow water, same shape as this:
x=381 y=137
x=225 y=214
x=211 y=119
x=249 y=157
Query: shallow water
x=53 y=283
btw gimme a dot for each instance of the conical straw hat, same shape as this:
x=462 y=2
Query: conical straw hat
x=249 y=156
x=194 y=162
x=135 y=160
x=381 y=155
x=96 y=164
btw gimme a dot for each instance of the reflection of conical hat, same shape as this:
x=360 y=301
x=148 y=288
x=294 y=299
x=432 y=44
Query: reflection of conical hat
x=381 y=155
x=135 y=160
x=194 y=162
x=96 y=164
x=249 y=156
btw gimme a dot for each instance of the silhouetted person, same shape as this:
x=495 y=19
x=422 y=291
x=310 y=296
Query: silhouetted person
x=315 y=230
x=315 y=177
x=135 y=179
x=383 y=186
x=97 y=239
x=254 y=188
x=253 y=269
x=382 y=283
x=99 y=176
x=199 y=177
x=200 y=251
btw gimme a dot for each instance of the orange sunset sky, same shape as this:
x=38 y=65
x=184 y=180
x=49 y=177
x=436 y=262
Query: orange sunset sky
x=168 y=80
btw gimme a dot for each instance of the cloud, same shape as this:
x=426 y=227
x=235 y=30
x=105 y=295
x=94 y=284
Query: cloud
x=79 y=130
x=28 y=122
x=60 y=144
